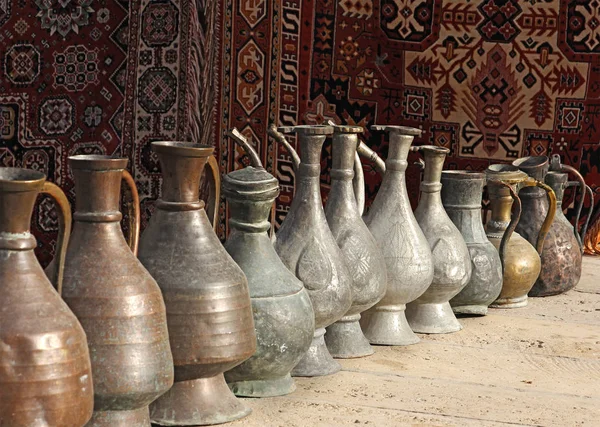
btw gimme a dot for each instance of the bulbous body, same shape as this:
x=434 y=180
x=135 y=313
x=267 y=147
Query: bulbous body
x=116 y=300
x=461 y=197
x=431 y=312
x=45 y=369
x=561 y=254
x=405 y=249
x=283 y=316
x=307 y=248
x=363 y=257
x=206 y=295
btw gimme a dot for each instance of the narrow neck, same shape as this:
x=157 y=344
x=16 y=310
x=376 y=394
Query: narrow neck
x=98 y=195
x=399 y=147
x=16 y=209
x=249 y=216
x=181 y=181
x=501 y=204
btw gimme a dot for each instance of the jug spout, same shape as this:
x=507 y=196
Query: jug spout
x=277 y=135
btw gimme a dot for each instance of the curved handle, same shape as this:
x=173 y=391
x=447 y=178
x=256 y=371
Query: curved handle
x=281 y=139
x=215 y=190
x=64 y=231
x=358 y=182
x=583 y=233
x=514 y=220
x=551 y=210
x=133 y=209
x=582 y=185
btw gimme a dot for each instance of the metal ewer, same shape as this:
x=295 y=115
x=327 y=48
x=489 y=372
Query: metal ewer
x=405 y=249
x=283 y=316
x=520 y=260
x=114 y=297
x=45 y=369
x=462 y=192
x=562 y=252
x=431 y=313
x=209 y=313
x=307 y=247
x=364 y=259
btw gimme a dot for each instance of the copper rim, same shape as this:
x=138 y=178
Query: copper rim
x=183 y=148
x=20 y=179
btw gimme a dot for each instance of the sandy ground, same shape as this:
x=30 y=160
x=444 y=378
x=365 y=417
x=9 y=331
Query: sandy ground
x=538 y=365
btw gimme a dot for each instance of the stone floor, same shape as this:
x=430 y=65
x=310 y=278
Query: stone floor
x=538 y=365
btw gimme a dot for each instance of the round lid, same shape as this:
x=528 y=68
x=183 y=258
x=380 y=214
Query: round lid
x=250 y=183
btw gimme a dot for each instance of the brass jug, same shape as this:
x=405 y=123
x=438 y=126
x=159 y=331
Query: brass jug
x=116 y=300
x=562 y=252
x=209 y=315
x=45 y=370
x=283 y=316
x=520 y=260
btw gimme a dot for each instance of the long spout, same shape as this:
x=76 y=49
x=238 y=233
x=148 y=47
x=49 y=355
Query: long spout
x=371 y=155
x=241 y=140
x=280 y=138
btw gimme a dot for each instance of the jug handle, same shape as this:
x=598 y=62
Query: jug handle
x=134 y=213
x=64 y=230
x=514 y=220
x=278 y=136
x=580 y=235
x=549 y=216
x=215 y=190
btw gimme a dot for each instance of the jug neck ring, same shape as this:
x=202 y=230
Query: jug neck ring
x=396 y=165
x=342 y=174
x=430 y=187
x=17 y=241
x=179 y=206
x=97 y=216
x=250 y=227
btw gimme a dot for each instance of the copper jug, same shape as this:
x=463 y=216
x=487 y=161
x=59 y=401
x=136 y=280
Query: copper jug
x=364 y=259
x=45 y=370
x=307 y=247
x=116 y=300
x=208 y=306
x=406 y=252
x=283 y=316
x=520 y=260
x=563 y=248
x=462 y=193
x=431 y=313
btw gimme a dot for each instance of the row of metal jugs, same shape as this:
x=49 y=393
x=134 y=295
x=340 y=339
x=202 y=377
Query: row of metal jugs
x=172 y=335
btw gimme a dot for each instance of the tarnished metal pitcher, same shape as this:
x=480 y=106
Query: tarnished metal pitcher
x=562 y=252
x=363 y=257
x=431 y=312
x=520 y=260
x=208 y=306
x=45 y=369
x=405 y=249
x=307 y=247
x=116 y=300
x=462 y=192
x=283 y=316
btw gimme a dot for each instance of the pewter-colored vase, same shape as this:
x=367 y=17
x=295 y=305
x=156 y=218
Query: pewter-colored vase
x=345 y=338
x=431 y=312
x=209 y=314
x=283 y=316
x=307 y=247
x=520 y=260
x=405 y=249
x=562 y=252
x=117 y=301
x=462 y=192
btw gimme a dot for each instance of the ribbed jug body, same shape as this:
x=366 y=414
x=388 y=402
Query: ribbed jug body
x=462 y=193
x=206 y=295
x=116 y=300
x=405 y=249
x=45 y=370
x=431 y=312
x=364 y=259
x=308 y=249
x=283 y=316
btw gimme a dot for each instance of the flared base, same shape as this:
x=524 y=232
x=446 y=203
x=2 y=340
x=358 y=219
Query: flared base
x=473 y=310
x=387 y=325
x=205 y=401
x=264 y=388
x=516 y=302
x=345 y=339
x=134 y=418
x=432 y=318
x=317 y=361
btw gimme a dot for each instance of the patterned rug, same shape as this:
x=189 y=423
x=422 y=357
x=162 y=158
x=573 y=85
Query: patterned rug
x=491 y=80
x=102 y=77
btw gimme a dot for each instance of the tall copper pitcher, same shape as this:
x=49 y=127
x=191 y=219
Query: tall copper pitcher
x=116 y=300
x=208 y=305
x=45 y=371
